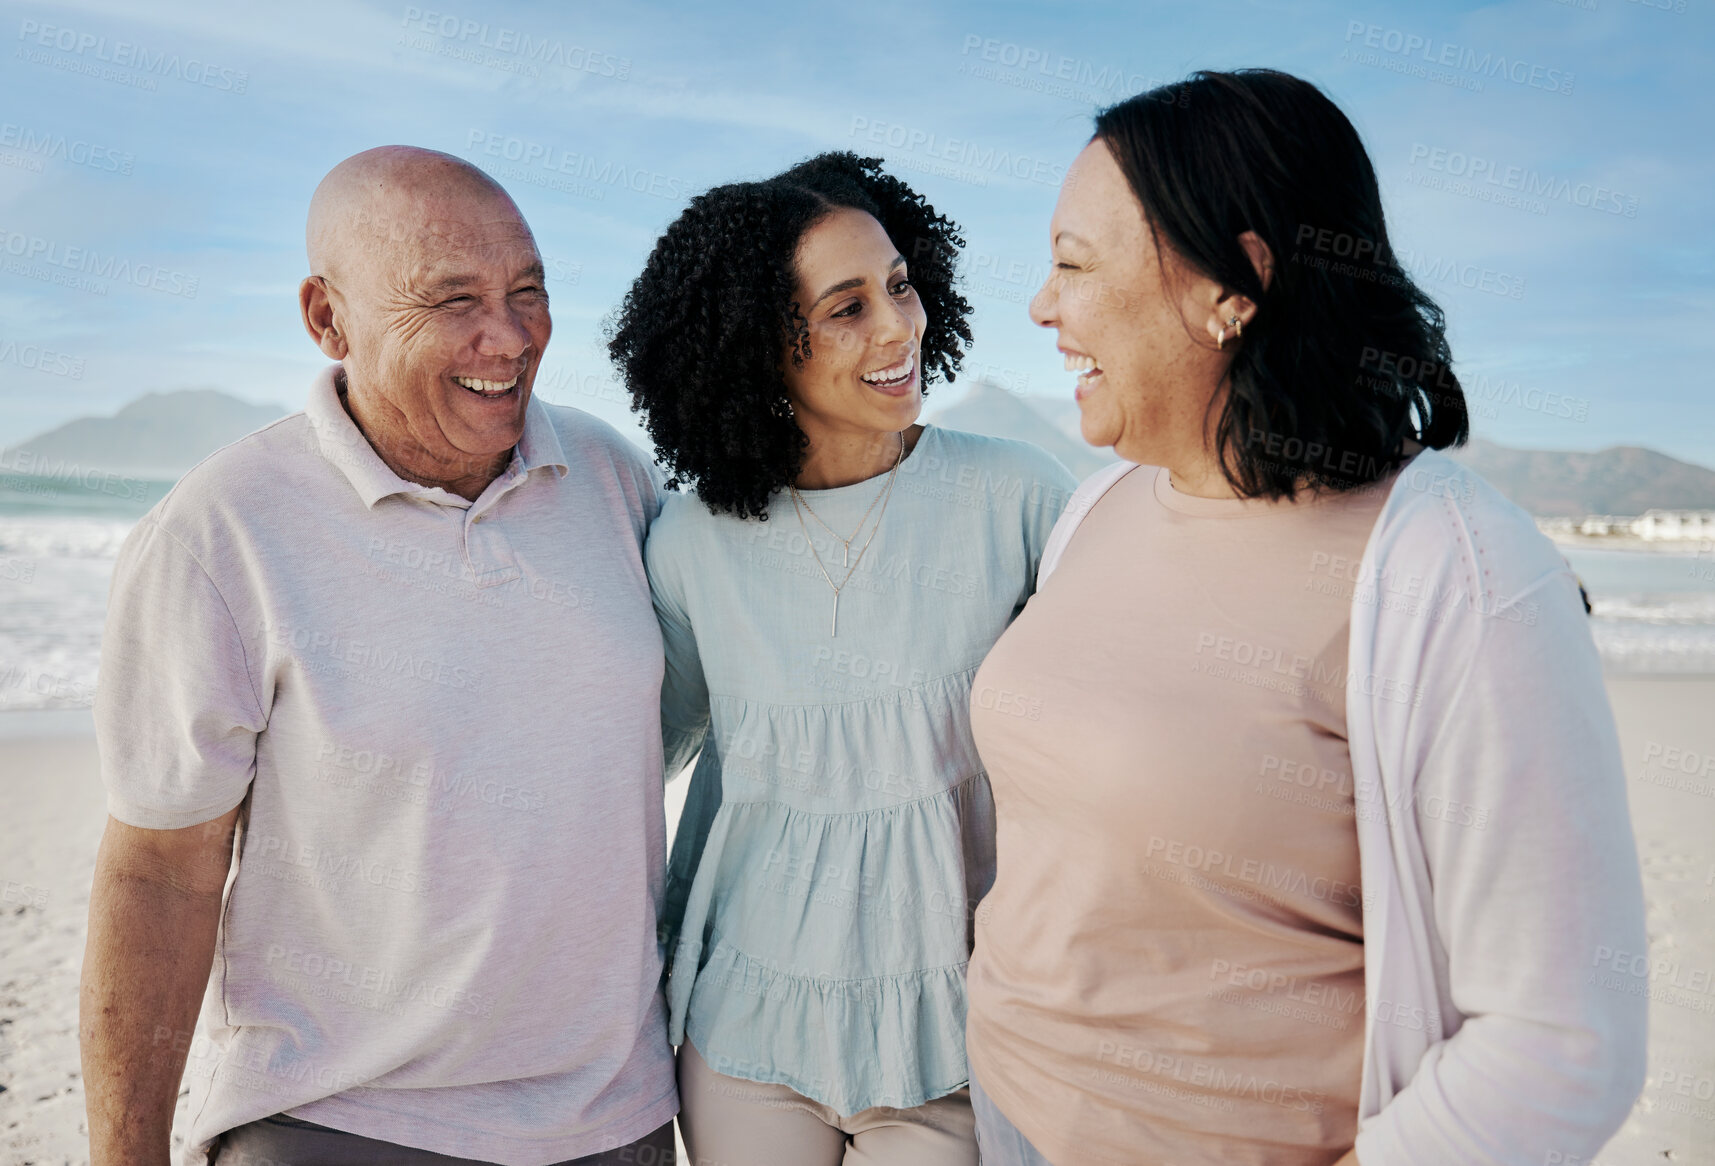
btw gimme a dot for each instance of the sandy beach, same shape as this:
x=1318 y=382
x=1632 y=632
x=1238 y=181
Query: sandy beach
x=50 y=786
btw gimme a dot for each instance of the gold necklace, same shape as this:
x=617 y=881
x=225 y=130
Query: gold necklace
x=851 y=565
x=847 y=542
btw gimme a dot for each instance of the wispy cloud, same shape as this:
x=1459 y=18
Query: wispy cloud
x=1614 y=307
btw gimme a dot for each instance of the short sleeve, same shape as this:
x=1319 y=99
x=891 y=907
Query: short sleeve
x=176 y=707
x=1043 y=506
x=684 y=691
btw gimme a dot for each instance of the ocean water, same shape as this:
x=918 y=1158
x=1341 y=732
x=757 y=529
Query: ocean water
x=1653 y=612
x=58 y=540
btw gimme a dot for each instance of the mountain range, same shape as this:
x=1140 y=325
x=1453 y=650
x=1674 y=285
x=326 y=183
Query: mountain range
x=1051 y=422
x=161 y=435
x=1623 y=479
x=1620 y=480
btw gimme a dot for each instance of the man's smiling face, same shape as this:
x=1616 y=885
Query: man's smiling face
x=436 y=290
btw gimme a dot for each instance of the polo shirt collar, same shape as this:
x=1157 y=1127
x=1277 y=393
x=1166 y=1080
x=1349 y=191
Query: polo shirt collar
x=540 y=443
x=343 y=444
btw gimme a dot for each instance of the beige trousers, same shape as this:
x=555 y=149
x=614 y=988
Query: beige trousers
x=727 y=1121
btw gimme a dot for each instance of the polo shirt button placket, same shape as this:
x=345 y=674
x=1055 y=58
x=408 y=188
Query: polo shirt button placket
x=489 y=552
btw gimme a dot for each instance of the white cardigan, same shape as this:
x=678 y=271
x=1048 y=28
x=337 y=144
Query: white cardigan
x=1505 y=1021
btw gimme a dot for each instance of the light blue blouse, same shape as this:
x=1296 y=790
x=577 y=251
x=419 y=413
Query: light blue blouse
x=839 y=831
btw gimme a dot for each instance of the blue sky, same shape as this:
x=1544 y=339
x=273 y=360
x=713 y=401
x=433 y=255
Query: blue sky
x=1547 y=168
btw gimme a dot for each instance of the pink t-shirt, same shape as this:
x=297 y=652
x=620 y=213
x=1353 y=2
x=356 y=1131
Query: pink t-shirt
x=1170 y=965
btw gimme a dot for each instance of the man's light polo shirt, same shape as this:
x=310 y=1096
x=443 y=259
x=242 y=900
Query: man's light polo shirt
x=443 y=718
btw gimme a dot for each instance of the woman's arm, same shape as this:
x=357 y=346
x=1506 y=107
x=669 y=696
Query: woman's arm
x=1520 y=804
x=684 y=692
x=684 y=695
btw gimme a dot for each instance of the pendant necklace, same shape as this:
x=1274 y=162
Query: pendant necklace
x=850 y=564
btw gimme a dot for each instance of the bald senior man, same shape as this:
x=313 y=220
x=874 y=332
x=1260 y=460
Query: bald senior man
x=378 y=716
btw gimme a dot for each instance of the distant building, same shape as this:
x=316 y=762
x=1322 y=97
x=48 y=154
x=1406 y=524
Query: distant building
x=1673 y=525
x=1651 y=526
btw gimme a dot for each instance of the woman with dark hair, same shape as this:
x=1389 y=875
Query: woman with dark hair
x=825 y=598
x=1316 y=841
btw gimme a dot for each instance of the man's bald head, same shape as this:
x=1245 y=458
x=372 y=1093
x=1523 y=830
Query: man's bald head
x=373 y=203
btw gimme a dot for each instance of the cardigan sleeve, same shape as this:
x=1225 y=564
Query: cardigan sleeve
x=1520 y=803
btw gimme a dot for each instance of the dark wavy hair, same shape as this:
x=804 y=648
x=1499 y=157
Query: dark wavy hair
x=702 y=335
x=1346 y=357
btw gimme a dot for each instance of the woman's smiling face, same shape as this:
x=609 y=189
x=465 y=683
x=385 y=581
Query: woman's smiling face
x=1120 y=306
x=864 y=372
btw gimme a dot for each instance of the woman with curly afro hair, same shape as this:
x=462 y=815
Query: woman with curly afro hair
x=825 y=596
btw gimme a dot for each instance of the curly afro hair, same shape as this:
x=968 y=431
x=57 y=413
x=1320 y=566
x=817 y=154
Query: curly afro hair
x=701 y=335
